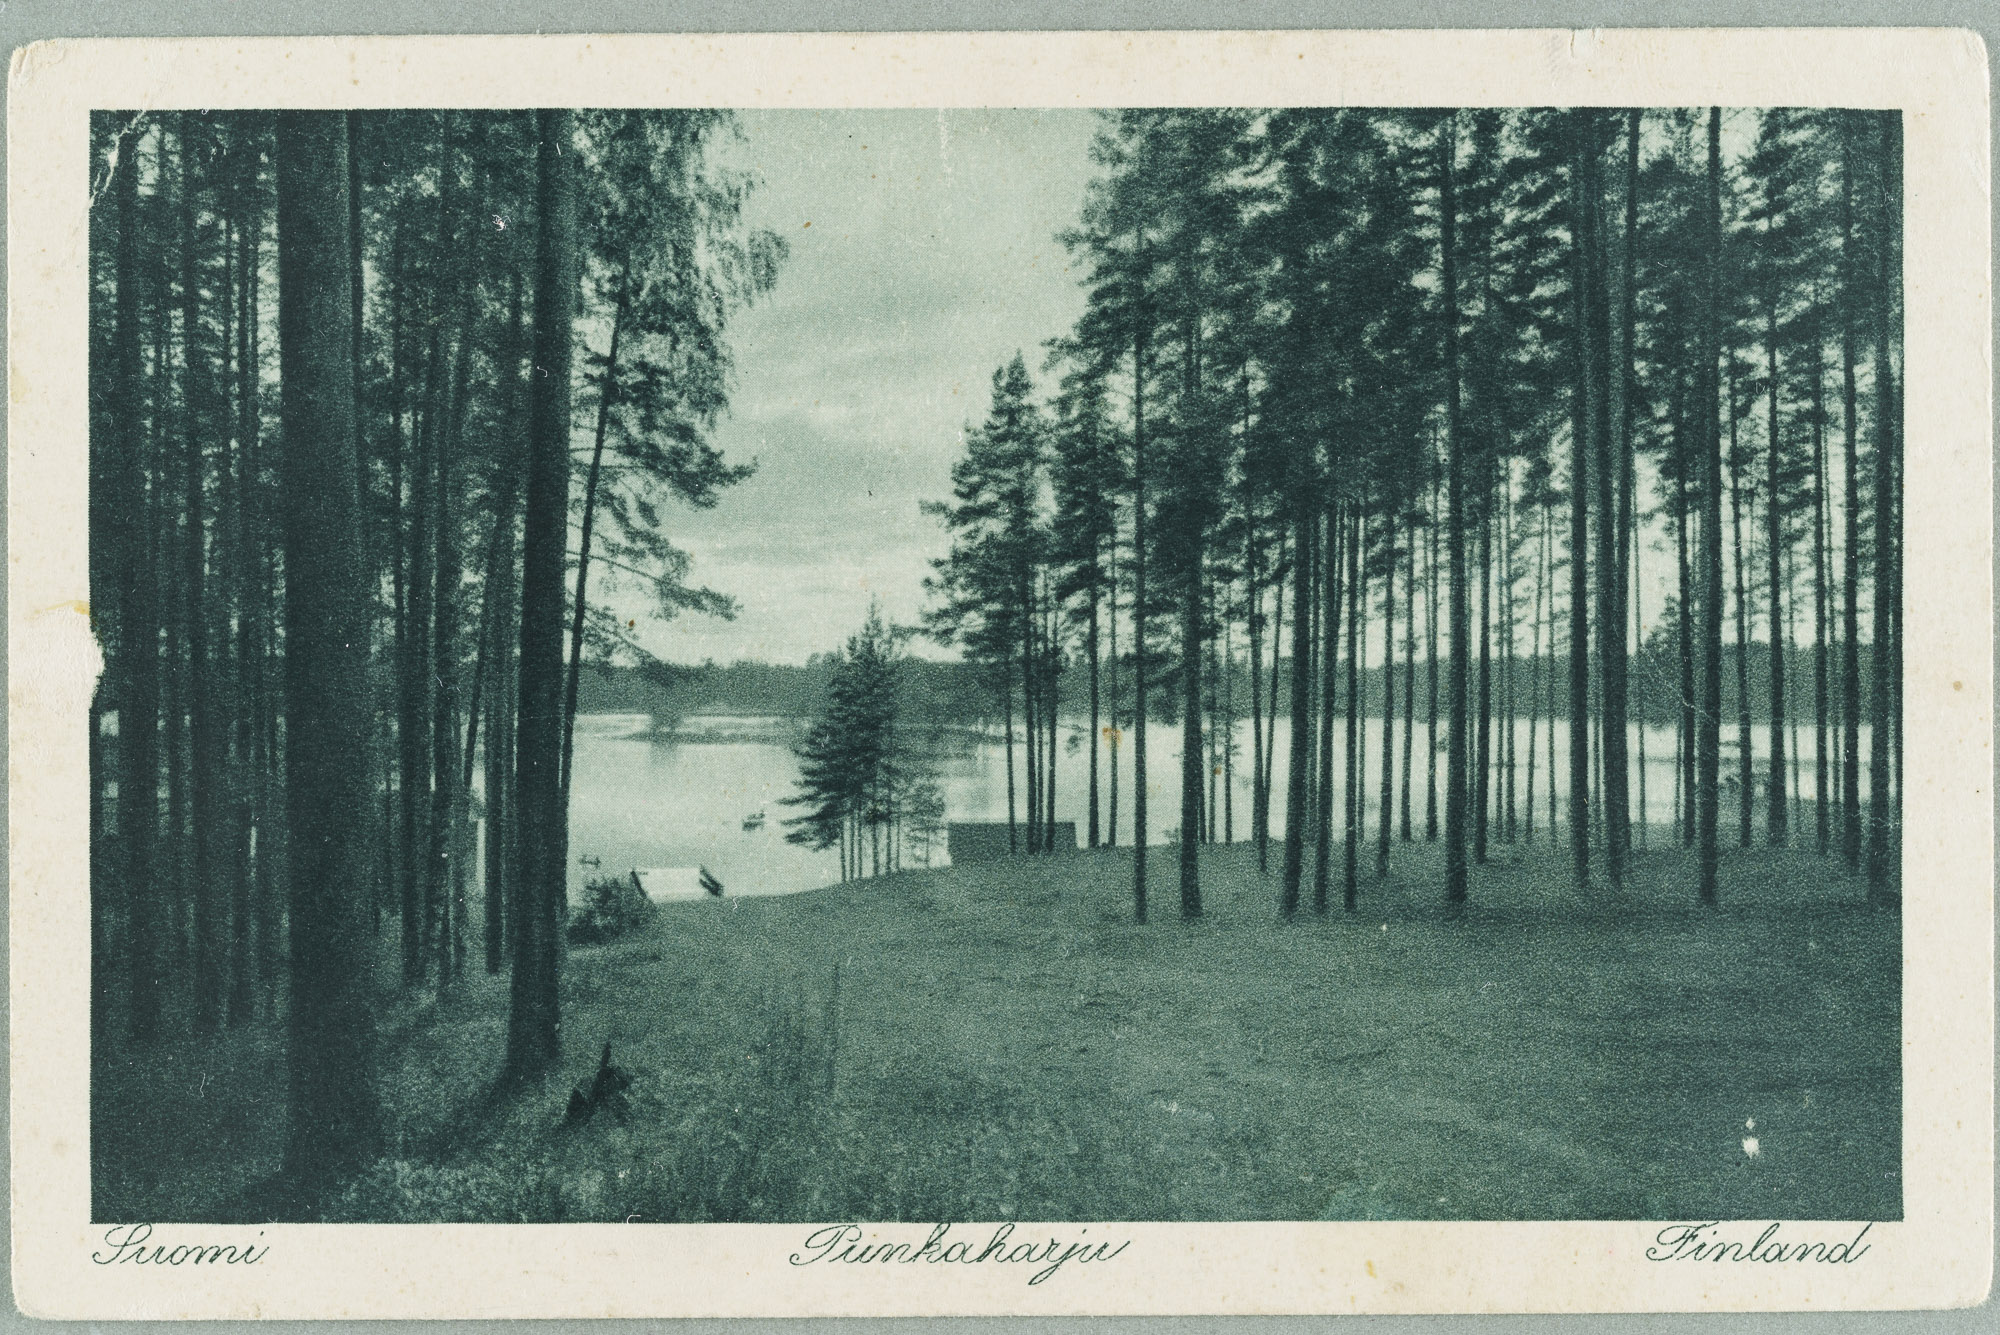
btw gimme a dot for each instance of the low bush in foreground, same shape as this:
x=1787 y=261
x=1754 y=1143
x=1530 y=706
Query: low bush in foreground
x=612 y=906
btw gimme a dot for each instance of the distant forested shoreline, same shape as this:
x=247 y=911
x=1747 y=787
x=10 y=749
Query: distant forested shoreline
x=958 y=693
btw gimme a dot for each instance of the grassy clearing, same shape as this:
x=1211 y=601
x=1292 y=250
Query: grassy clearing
x=1006 y=1043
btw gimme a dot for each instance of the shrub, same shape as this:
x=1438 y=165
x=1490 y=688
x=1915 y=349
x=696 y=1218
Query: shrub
x=612 y=906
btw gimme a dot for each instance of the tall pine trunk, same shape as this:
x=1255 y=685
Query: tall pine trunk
x=248 y=221
x=1096 y=741
x=446 y=875
x=138 y=621
x=1351 y=785
x=1461 y=645
x=334 y=1122
x=1431 y=670
x=534 y=1039
x=1300 y=704
x=1610 y=466
x=1535 y=670
x=1191 y=756
x=1117 y=737
x=1388 y=690
x=1271 y=683
x=1709 y=743
x=418 y=688
x=1483 y=743
x=1850 y=612
x=1260 y=821
x=1583 y=421
x=1745 y=791
x=1139 y=616
x=1331 y=554
x=1822 y=603
x=1885 y=687
x=1007 y=740
x=1686 y=569
x=1409 y=680
x=205 y=769
x=1628 y=386
x=1777 y=828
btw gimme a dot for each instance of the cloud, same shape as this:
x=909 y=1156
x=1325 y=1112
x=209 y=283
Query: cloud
x=929 y=260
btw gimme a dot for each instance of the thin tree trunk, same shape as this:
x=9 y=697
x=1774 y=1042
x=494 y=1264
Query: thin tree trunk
x=1191 y=759
x=1708 y=349
x=1301 y=687
x=1613 y=509
x=1050 y=746
x=1637 y=593
x=1628 y=385
x=1260 y=816
x=1549 y=702
x=1883 y=818
x=447 y=797
x=1791 y=638
x=1095 y=740
x=1117 y=737
x=496 y=652
x=1583 y=419
x=497 y=844
x=419 y=698
x=1007 y=724
x=1031 y=731
x=1535 y=671
x=1352 y=786
x=1409 y=680
x=205 y=771
x=1746 y=798
x=1387 y=812
x=1685 y=812
x=1461 y=648
x=1139 y=618
x=1850 y=628
x=1777 y=826
x=1431 y=672
x=1822 y=777
x=1313 y=612
x=248 y=221
x=138 y=621
x=1332 y=542
x=1483 y=742
x=607 y=395
x=1228 y=729
x=1509 y=826
x=1271 y=690
x=412 y=682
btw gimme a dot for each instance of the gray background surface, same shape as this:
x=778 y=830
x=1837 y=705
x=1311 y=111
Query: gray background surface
x=23 y=21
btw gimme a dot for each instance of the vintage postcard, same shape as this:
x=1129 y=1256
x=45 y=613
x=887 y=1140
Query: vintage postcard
x=1287 y=672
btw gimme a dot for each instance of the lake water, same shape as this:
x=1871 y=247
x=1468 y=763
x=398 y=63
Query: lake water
x=637 y=801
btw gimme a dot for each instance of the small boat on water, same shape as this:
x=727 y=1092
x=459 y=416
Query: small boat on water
x=755 y=820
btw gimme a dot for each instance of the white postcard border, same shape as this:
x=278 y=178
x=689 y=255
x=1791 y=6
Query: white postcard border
x=1938 y=1255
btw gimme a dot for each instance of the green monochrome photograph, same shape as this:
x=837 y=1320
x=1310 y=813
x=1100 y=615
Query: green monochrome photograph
x=969 y=665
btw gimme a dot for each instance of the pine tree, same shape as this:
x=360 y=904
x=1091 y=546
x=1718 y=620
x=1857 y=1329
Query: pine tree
x=1708 y=437
x=534 y=1032
x=334 y=1120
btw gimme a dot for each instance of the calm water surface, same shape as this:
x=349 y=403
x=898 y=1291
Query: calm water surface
x=637 y=801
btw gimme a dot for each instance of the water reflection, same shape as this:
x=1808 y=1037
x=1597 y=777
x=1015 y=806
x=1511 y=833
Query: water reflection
x=639 y=801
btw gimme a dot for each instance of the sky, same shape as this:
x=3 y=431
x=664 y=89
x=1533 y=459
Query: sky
x=923 y=256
